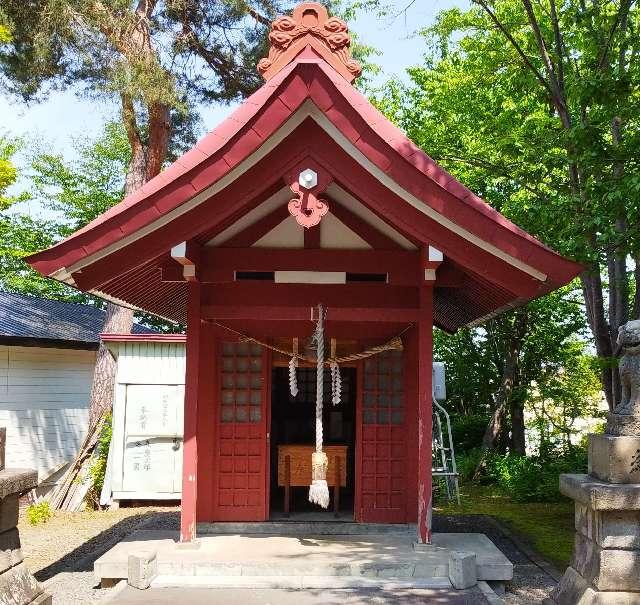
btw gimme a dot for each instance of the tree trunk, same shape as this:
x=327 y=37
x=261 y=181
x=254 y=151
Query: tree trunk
x=518 y=439
x=118 y=320
x=509 y=371
x=635 y=313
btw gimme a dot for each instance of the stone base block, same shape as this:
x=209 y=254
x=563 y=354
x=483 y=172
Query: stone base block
x=604 y=568
x=9 y=511
x=17 y=481
x=19 y=587
x=10 y=551
x=609 y=529
x=599 y=495
x=573 y=589
x=614 y=459
x=142 y=567
x=462 y=570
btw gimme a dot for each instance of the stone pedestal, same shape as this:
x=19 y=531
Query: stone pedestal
x=17 y=585
x=605 y=568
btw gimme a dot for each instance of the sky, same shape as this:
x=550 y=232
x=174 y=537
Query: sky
x=64 y=117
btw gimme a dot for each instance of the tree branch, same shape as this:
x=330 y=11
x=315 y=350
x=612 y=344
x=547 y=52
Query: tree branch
x=505 y=32
x=557 y=96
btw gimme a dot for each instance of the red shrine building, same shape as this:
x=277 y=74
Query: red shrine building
x=307 y=195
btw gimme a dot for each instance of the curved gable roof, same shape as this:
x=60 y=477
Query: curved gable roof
x=307 y=87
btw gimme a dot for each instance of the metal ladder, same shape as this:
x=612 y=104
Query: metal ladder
x=443 y=454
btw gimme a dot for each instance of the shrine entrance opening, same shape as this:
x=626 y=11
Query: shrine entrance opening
x=292 y=438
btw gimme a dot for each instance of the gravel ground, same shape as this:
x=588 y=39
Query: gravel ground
x=61 y=552
x=530 y=582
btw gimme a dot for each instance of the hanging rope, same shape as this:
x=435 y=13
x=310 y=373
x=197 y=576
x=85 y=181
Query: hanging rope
x=394 y=344
x=319 y=490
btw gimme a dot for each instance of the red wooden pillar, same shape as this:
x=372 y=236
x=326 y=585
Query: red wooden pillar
x=424 y=337
x=191 y=392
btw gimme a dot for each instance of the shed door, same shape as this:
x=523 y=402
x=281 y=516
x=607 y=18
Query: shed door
x=152 y=457
x=242 y=434
x=383 y=441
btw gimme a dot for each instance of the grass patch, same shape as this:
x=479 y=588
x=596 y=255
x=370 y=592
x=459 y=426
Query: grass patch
x=548 y=527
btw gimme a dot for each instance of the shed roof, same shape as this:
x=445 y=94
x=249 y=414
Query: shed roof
x=29 y=320
x=307 y=108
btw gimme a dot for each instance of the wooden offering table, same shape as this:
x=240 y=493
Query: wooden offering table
x=294 y=470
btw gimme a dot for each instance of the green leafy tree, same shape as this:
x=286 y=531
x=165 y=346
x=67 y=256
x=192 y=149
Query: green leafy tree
x=19 y=234
x=535 y=107
x=534 y=353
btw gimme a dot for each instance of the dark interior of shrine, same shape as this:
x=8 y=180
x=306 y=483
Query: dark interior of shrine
x=293 y=423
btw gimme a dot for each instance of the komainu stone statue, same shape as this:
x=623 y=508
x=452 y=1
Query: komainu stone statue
x=605 y=568
x=629 y=368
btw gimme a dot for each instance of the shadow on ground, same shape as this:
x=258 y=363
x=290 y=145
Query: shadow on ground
x=83 y=557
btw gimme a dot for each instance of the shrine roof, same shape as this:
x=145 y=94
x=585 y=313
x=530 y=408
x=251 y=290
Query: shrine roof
x=303 y=83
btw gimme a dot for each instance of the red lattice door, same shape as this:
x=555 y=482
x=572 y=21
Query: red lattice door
x=240 y=493
x=383 y=440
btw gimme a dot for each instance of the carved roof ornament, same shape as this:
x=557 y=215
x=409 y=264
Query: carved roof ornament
x=309 y=25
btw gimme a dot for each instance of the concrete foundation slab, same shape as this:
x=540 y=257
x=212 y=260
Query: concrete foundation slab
x=381 y=556
x=357 y=596
x=298 y=582
x=303 y=527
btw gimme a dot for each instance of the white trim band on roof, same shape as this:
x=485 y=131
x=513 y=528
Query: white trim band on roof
x=308 y=109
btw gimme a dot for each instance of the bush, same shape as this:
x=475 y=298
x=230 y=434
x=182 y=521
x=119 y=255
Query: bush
x=467 y=431
x=467 y=462
x=535 y=478
x=39 y=513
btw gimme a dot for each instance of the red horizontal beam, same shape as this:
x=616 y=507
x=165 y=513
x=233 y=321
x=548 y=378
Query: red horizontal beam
x=402 y=266
x=352 y=295
x=300 y=313
x=364 y=331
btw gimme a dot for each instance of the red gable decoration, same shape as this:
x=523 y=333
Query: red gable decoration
x=310 y=25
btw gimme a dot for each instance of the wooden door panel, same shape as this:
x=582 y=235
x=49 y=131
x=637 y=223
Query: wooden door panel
x=383 y=440
x=241 y=444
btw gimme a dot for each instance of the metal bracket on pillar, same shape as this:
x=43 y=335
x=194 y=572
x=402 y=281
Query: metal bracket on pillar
x=188 y=255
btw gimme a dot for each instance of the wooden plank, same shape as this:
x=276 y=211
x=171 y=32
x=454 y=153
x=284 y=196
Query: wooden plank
x=300 y=464
x=303 y=314
x=402 y=266
x=190 y=451
x=333 y=296
x=425 y=361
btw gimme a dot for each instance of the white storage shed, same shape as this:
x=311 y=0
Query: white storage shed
x=146 y=447
x=47 y=355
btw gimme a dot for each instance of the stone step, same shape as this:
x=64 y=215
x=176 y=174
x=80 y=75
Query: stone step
x=427 y=569
x=380 y=556
x=295 y=582
x=300 y=528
